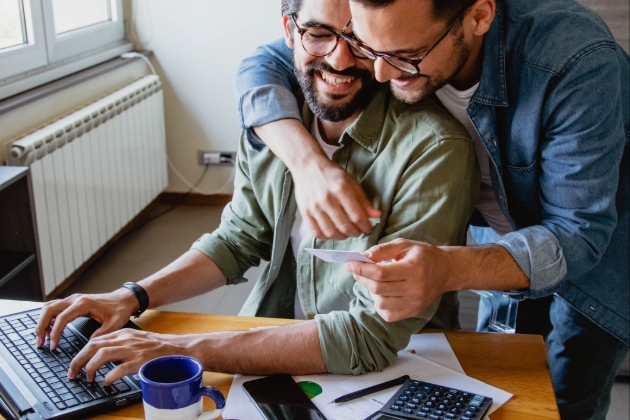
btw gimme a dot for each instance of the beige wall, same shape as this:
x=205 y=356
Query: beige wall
x=197 y=46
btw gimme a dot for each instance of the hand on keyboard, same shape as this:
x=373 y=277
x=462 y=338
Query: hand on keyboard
x=111 y=310
x=131 y=347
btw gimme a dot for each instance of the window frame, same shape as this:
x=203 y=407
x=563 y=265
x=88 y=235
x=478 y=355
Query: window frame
x=89 y=38
x=31 y=54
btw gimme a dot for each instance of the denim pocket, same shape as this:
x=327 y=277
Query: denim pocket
x=522 y=188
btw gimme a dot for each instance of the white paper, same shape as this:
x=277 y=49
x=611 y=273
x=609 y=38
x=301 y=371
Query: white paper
x=241 y=408
x=435 y=347
x=334 y=256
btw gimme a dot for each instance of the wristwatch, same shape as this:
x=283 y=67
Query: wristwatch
x=141 y=295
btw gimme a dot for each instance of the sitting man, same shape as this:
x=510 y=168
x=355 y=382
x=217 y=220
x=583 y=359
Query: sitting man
x=403 y=156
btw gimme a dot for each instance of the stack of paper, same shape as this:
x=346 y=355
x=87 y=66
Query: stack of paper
x=429 y=357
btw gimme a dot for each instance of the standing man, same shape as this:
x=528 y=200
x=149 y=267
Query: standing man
x=542 y=88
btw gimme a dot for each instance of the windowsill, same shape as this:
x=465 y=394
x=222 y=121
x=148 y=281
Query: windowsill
x=22 y=83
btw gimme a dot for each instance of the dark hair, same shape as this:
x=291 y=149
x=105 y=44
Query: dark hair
x=442 y=9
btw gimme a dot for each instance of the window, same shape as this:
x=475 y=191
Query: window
x=12 y=31
x=37 y=33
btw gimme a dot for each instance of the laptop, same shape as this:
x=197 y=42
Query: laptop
x=34 y=382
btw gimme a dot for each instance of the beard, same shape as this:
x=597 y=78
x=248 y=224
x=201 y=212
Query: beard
x=433 y=84
x=329 y=106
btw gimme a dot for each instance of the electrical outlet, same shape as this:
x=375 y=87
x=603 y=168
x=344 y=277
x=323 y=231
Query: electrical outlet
x=216 y=157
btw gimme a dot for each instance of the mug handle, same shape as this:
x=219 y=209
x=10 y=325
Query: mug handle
x=216 y=396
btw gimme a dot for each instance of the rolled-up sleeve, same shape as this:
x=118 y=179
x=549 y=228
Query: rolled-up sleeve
x=581 y=150
x=264 y=85
x=245 y=235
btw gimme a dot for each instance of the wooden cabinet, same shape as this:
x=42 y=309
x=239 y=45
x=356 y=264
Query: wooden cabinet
x=20 y=274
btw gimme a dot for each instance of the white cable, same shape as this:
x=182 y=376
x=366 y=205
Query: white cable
x=170 y=163
x=135 y=54
x=228 y=182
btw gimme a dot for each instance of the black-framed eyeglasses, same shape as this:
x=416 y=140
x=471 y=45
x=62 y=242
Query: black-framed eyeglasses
x=407 y=65
x=320 y=42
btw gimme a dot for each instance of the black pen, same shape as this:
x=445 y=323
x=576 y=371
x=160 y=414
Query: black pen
x=370 y=390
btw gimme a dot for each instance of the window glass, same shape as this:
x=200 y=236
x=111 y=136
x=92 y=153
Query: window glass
x=75 y=14
x=11 y=24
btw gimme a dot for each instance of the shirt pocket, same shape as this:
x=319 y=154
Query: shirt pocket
x=522 y=189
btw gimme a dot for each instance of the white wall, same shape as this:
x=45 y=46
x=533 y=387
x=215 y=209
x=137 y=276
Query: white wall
x=197 y=46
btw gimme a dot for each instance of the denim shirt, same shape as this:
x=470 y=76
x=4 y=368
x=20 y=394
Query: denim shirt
x=553 y=110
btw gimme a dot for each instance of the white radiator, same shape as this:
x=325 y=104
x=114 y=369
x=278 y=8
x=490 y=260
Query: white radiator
x=92 y=172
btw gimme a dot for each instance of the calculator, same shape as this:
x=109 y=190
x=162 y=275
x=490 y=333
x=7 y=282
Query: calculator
x=423 y=400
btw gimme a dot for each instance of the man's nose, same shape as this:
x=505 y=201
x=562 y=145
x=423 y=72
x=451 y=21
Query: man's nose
x=341 y=58
x=384 y=72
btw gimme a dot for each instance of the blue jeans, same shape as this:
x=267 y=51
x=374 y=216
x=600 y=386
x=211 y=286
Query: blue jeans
x=583 y=358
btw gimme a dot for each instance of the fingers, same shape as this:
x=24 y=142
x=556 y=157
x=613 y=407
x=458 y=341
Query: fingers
x=393 y=309
x=389 y=251
x=365 y=272
x=325 y=226
x=48 y=319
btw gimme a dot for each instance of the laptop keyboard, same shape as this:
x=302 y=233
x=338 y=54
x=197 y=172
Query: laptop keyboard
x=50 y=368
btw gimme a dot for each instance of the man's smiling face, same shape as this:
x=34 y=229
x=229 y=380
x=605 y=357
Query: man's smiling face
x=408 y=28
x=335 y=86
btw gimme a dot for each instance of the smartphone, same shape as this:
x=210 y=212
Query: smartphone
x=278 y=397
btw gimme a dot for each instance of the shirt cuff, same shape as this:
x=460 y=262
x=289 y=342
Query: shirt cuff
x=218 y=252
x=538 y=253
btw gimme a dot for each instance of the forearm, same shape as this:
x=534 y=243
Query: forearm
x=292 y=349
x=190 y=275
x=488 y=267
x=291 y=142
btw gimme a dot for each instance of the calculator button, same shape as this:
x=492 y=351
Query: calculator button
x=459 y=405
x=433 y=399
x=442 y=406
x=426 y=388
x=454 y=410
x=408 y=410
x=468 y=413
x=429 y=404
x=451 y=416
x=409 y=405
x=415 y=382
x=403 y=397
x=394 y=407
x=453 y=391
x=437 y=393
x=438 y=412
x=434 y=417
x=416 y=400
x=407 y=392
x=422 y=415
x=465 y=418
x=398 y=402
x=425 y=409
x=472 y=408
x=450 y=395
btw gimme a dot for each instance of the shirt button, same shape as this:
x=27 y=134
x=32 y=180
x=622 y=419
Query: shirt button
x=303 y=270
x=494 y=141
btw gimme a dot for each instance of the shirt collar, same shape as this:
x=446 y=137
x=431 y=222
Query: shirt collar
x=492 y=86
x=366 y=129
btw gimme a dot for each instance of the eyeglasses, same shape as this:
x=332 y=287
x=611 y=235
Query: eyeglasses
x=320 y=42
x=407 y=65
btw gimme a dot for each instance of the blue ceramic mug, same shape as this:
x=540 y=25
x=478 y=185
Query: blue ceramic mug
x=171 y=390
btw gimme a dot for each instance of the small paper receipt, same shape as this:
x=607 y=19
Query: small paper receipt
x=340 y=257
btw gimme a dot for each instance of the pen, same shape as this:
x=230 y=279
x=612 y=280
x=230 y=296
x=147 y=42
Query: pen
x=370 y=390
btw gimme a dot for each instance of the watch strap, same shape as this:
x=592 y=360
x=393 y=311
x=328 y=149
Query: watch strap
x=141 y=295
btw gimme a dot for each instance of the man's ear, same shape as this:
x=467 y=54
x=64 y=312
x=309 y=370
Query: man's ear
x=483 y=14
x=286 y=23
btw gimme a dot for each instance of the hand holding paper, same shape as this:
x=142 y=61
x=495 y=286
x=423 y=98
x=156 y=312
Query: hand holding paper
x=339 y=257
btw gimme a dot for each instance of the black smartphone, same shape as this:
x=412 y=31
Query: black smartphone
x=278 y=397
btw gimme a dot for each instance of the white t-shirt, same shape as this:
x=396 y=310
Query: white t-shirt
x=456 y=102
x=300 y=229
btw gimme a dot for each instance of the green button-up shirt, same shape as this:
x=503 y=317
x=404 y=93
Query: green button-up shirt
x=418 y=166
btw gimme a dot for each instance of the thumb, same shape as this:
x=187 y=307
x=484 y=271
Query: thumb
x=388 y=251
x=370 y=211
